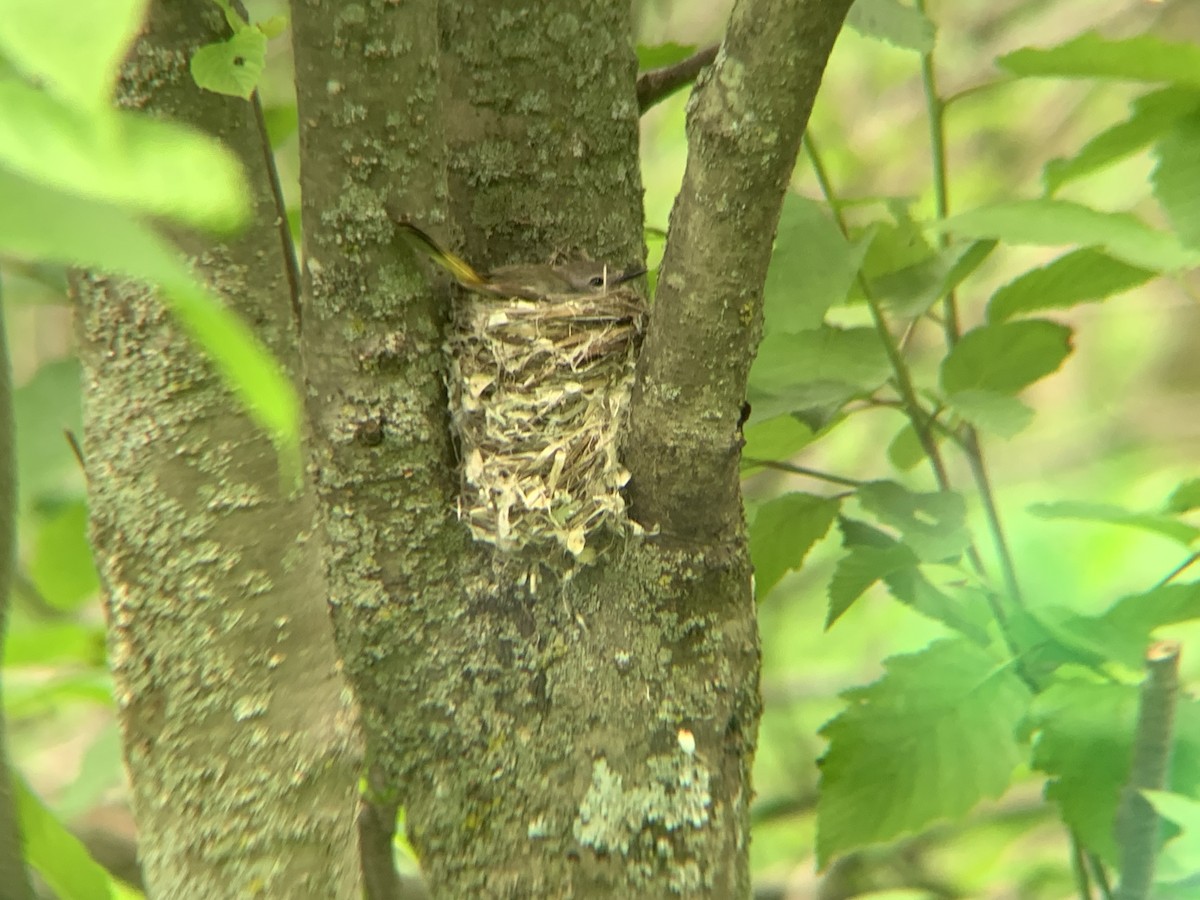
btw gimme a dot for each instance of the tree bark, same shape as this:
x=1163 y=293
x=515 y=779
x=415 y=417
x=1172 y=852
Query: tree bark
x=593 y=739
x=239 y=739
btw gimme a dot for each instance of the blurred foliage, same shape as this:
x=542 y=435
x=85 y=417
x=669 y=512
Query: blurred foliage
x=1072 y=183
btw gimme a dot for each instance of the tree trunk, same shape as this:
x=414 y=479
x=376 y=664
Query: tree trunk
x=240 y=743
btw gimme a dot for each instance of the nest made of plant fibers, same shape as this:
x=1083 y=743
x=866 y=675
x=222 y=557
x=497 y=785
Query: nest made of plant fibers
x=539 y=395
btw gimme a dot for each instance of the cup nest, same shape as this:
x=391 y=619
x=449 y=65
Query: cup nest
x=539 y=395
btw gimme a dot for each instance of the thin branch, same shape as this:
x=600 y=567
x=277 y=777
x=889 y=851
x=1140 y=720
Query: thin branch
x=1100 y=876
x=76 y=449
x=657 y=85
x=1177 y=571
x=1083 y=883
x=1137 y=824
x=803 y=470
x=291 y=261
x=936 y=108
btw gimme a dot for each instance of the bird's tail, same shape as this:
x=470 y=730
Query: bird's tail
x=455 y=265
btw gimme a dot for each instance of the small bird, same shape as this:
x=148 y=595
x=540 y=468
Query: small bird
x=529 y=281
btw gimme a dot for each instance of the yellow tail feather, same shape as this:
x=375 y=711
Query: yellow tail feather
x=455 y=265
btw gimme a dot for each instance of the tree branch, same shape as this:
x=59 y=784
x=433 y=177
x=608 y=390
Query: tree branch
x=657 y=85
x=1137 y=825
x=744 y=128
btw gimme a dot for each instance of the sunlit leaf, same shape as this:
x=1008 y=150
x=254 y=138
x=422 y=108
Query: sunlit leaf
x=782 y=533
x=1141 y=58
x=1056 y=223
x=1005 y=358
x=1077 y=277
x=929 y=740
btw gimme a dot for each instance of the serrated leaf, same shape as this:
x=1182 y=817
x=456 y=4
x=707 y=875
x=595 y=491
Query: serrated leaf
x=928 y=741
x=797 y=293
x=966 y=612
x=775 y=439
x=1005 y=358
x=1000 y=414
x=1176 y=178
x=658 y=55
x=1084 y=732
x=894 y=23
x=1127 y=627
x=122 y=158
x=933 y=525
x=1086 y=511
x=782 y=533
x=233 y=66
x=858 y=570
x=1077 y=277
x=1054 y=223
x=820 y=368
x=77 y=56
x=1141 y=58
x=1082 y=742
x=1185 y=497
x=61 y=563
x=1151 y=116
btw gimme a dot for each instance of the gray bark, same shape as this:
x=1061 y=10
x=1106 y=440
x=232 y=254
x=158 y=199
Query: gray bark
x=238 y=736
x=594 y=739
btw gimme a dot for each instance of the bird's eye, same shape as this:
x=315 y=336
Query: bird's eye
x=596 y=281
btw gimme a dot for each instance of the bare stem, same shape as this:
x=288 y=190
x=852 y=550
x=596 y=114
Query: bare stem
x=1137 y=824
x=657 y=85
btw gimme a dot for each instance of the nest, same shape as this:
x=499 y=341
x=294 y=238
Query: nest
x=539 y=394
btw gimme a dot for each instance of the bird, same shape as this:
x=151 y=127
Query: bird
x=524 y=281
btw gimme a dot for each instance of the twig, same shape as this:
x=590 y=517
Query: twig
x=76 y=448
x=1177 y=571
x=1083 y=882
x=1137 y=824
x=657 y=85
x=802 y=470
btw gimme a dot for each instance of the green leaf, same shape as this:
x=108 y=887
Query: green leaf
x=56 y=854
x=658 y=55
x=1082 y=742
x=819 y=368
x=1055 y=223
x=39 y=223
x=1087 y=511
x=45 y=408
x=232 y=66
x=783 y=531
x=858 y=570
x=1151 y=116
x=1176 y=178
x=39 y=643
x=76 y=56
x=905 y=450
x=123 y=158
x=1000 y=414
x=1077 y=277
x=1127 y=627
x=1005 y=358
x=797 y=293
x=282 y=122
x=903 y=270
x=61 y=563
x=928 y=741
x=1185 y=497
x=99 y=773
x=933 y=525
x=894 y=23
x=775 y=439
x=1141 y=58
x=1179 y=860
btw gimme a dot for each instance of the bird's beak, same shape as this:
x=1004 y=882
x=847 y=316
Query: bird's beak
x=629 y=275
